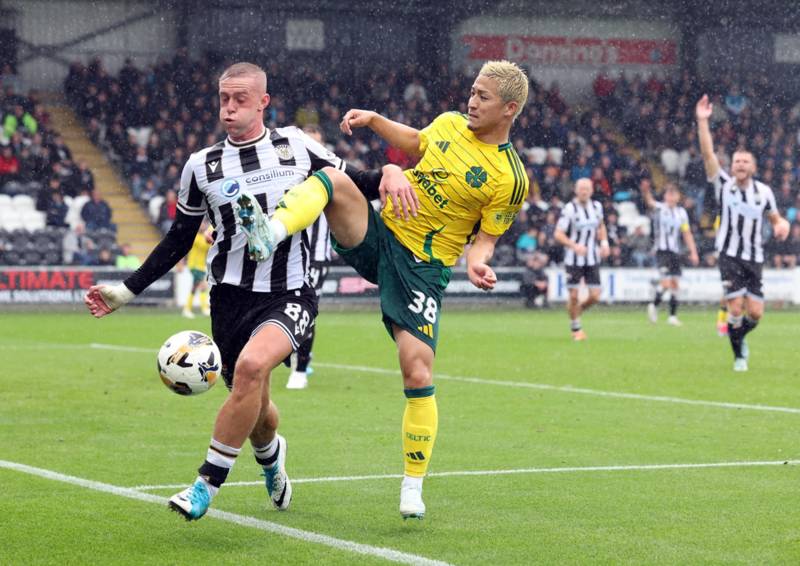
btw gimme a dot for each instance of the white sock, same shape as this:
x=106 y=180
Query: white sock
x=411 y=481
x=267 y=455
x=278 y=230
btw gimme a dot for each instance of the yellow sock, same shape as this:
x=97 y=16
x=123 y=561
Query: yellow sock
x=302 y=205
x=420 y=422
x=189 y=301
x=204 y=300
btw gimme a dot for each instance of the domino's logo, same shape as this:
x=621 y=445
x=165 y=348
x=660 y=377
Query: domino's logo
x=230 y=188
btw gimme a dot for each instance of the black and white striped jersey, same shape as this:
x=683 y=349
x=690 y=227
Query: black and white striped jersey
x=742 y=212
x=266 y=167
x=580 y=224
x=668 y=224
x=319 y=240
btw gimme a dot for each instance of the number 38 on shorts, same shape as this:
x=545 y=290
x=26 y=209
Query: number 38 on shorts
x=424 y=305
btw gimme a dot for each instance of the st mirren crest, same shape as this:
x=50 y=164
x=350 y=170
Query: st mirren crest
x=284 y=151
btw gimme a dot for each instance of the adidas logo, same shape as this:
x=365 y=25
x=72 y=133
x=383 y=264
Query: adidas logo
x=443 y=145
x=416 y=456
x=427 y=330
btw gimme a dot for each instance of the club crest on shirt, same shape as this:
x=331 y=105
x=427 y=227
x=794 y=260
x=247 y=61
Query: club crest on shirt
x=284 y=151
x=230 y=188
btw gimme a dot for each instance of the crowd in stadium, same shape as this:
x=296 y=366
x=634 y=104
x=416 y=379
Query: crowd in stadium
x=148 y=121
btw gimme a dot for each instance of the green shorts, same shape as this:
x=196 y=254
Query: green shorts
x=198 y=276
x=411 y=289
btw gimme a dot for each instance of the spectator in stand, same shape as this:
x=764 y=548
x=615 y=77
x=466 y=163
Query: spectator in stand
x=78 y=248
x=126 y=259
x=96 y=213
x=534 y=281
x=104 y=258
x=581 y=169
x=9 y=166
x=787 y=252
x=640 y=247
x=19 y=120
x=735 y=101
x=56 y=214
x=168 y=210
x=84 y=177
x=527 y=242
x=44 y=198
x=603 y=88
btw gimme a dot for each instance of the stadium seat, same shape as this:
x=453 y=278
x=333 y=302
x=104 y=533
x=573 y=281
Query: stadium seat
x=670 y=161
x=5 y=202
x=556 y=154
x=33 y=219
x=154 y=207
x=538 y=155
x=23 y=202
x=74 y=212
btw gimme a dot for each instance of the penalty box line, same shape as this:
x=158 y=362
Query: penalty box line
x=573 y=469
x=242 y=520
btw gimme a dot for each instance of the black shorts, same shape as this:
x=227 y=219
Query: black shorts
x=740 y=277
x=589 y=273
x=237 y=314
x=669 y=264
x=317 y=272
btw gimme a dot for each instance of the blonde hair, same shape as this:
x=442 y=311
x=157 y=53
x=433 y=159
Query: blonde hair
x=512 y=82
x=244 y=70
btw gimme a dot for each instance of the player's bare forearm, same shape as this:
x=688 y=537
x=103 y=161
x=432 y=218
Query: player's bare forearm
x=688 y=239
x=647 y=195
x=563 y=239
x=703 y=114
x=780 y=226
x=478 y=256
x=396 y=134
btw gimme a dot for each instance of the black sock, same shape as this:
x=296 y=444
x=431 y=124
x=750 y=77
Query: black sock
x=657 y=300
x=736 y=335
x=304 y=354
x=673 y=305
x=216 y=474
x=748 y=325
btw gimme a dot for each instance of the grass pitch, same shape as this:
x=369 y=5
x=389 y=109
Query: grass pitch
x=515 y=395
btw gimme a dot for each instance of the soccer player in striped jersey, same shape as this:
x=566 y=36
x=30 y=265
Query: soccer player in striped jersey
x=579 y=228
x=669 y=221
x=319 y=239
x=261 y=309
x=744 y=202
x=468 y=186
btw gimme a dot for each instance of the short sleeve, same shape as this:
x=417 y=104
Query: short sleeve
x=564 y=220
x=498 y=215
x=191 y=200
x=719 y=181
x=771 y=205
x=684 y=220
x=320 y=155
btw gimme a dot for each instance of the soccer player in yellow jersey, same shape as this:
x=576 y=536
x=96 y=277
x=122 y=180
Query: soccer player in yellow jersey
x=468 y=186
x=196 y=262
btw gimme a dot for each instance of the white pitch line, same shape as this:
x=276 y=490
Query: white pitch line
x=505 y=383
x=571 y=389
x=243 y=520
x=639 y=467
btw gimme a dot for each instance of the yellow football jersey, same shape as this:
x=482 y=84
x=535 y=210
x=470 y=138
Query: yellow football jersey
x=196 y=259
x=463 y=185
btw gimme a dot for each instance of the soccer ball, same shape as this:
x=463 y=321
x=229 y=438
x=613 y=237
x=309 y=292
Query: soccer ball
x=189 y=363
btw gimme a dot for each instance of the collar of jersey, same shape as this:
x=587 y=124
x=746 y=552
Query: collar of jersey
x=229 y=141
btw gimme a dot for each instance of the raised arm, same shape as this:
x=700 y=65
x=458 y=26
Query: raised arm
x=647 y=195
x=703 y=113
x=394 y=133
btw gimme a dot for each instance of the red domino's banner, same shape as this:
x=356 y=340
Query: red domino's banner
x=572 y=51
